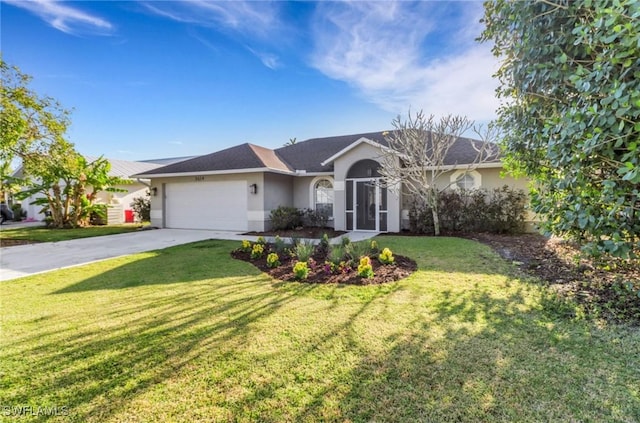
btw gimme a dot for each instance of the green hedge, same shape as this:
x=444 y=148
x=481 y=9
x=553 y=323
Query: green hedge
x=501 y=210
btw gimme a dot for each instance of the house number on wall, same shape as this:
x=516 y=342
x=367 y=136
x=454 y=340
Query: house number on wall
x=199 y=178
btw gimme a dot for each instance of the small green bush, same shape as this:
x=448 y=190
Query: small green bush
x=279 y=245
x=303 y=250
x=257 y=251
x=356 y=250
x=285 y=217
x=301 y=270
x=18 y=212
x=315 y=218
x=336 y=254
x=141 y=206
x=365 y=270
x=246 y=246
x=386 y=257
x=273 y=260
x=98 y=215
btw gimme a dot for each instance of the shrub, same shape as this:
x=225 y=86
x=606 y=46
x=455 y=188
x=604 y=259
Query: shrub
x=98 y=215
x=365 y=270
x=141 y=206
x=285 y=218
x=374 y=247
x=500 y=210
x=324 y=242
x=303 y=250
x=279 y=245
x=336 y=254
x=257 y=251
x=300 y=270
x=273 y=260
x=261 y=241
x=315 y=218
x=246 y=246
x=344 y=241
x=18 y=212
x=386 y=257
x=356 y=250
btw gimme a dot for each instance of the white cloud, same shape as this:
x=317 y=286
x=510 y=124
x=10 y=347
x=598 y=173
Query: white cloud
x=249 y=19
x=398 y=55
x=63 y=17
x=268 y=59
x=252 y=17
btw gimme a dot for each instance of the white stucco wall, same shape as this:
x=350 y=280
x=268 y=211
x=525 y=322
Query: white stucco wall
x=278 y=192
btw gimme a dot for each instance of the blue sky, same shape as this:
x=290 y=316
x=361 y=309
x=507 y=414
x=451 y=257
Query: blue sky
x=151 y=79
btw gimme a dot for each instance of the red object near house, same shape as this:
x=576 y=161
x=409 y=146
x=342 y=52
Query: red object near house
x=128 y=216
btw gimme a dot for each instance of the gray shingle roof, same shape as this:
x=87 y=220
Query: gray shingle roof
x=305 y=155
x=241 y=157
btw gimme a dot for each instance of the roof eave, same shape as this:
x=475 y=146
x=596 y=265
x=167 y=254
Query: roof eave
x=213 y=172
x=353 y=145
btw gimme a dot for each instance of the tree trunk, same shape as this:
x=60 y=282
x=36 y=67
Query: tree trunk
x=436 y=220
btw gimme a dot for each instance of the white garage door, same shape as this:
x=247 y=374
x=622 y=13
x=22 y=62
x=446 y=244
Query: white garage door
x=207 y=205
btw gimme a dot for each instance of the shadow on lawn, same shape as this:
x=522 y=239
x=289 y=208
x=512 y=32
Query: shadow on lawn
x=481 y=354
x=196 y=261
x=497 y=360
x=147 y=337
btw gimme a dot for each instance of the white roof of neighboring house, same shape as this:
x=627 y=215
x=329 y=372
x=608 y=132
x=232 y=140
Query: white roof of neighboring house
x=125 y=169
x=122 y=168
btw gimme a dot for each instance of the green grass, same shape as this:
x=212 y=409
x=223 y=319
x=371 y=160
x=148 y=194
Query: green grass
x=42 y=234
x=189 y=334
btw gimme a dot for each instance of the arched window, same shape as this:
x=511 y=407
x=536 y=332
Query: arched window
x=323 y=196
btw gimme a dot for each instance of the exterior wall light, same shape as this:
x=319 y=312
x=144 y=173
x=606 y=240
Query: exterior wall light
x=154 y=191
x=253 y=188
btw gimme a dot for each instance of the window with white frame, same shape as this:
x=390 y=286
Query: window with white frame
x=323 y=196
x=465 y=180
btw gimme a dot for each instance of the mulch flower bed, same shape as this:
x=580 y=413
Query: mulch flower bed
x=319 y=271
x=609 y=289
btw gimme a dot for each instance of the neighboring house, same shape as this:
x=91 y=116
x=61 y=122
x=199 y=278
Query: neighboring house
x=237 y=188
x=119 y=202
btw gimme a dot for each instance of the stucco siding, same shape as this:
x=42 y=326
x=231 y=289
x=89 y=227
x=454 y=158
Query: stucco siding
x=302 y=192
x=278 y=192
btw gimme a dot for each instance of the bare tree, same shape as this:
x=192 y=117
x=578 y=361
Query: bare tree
x=419 y=154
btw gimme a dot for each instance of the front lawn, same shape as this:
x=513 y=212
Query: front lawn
x=42 y=234
x=190 y=334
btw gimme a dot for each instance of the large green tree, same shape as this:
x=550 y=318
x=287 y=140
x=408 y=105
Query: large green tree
x=33 y=133
x=570 y=84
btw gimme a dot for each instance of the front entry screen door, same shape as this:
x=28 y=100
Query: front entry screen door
x=366 y=205
x=366 y=209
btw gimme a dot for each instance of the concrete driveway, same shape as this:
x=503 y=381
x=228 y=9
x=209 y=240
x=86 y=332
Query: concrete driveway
x=24 y=260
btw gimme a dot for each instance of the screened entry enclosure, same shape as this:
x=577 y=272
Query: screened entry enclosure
x=366 y=202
